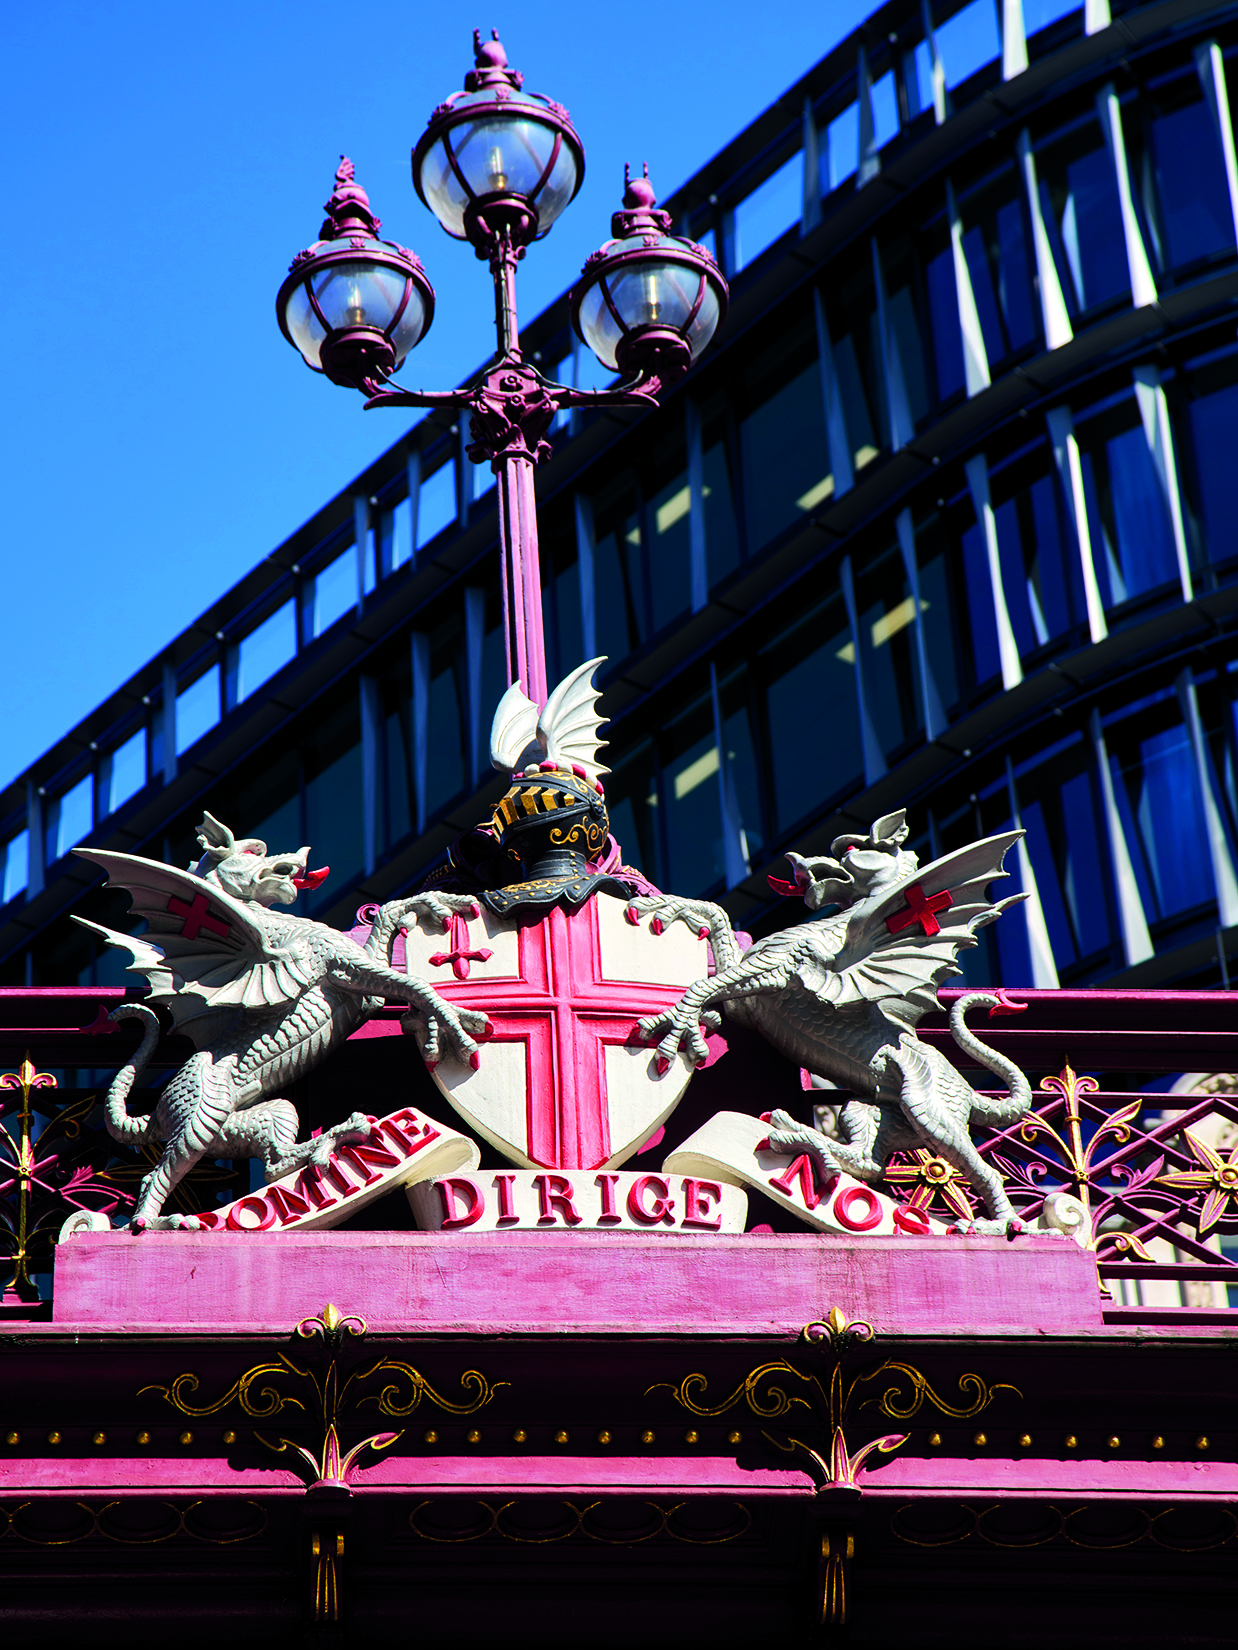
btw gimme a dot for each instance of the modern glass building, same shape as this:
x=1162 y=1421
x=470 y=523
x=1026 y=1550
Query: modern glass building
x=942 y=520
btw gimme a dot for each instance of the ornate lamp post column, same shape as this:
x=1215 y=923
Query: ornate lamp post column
x=497 y=165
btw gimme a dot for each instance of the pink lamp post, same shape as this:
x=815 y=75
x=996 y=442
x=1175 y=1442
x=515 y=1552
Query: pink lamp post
x=497 y=165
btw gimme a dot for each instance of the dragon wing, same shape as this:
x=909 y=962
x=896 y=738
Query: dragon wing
x=570 y=722
x=513 y=730
x=902 y=967
x=203 y=952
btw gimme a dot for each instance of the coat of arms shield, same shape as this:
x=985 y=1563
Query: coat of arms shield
x=562 y=1082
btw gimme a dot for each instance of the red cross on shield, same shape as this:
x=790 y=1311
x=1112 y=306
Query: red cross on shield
x=562 y=1083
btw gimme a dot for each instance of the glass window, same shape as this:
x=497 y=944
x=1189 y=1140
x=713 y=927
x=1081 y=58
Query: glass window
x=840 y=153
x=901 y=279
x=1040 y=569
x=960 y=637
x=812 y=715
x=267 y=804
x=123 y=772
x=266 y=649
x=618 y=572
x=783 y=447
x=885 y=109
x=851 y=309
x=436 y=503
x=735 y=694
x=1176 y=163
x=969 y=40
x=943 y=309
x=1079 y=203
x=560 y=571
x=16 y=865
x=331 y=753
x=1128 y=517
x=632 y=803
x=979 y=586
x=1061 y=815
x=769 y=211
x=493 y=660
x=668 y=509
x=335 y=590
x=695 y=854
x=69 y=818
x=996 y=249
x=717 y=468
x=1162 y=812
x=1207 y=457
x=399 y=770
x=197 y=709
x=447 y=735
x=394 y=539
x=886 y=616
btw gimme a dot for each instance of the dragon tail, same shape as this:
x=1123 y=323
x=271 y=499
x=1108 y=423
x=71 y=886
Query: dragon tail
x=1019 y=1100
x=129 y=1130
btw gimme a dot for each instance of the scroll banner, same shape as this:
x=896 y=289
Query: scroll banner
x=400 y=1149
x=612 y=1200
x=728 y=1148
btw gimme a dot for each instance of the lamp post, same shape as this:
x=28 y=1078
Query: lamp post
x=497 y=165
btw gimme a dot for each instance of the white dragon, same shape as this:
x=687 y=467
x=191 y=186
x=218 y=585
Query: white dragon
x=841 y=996
x=263 y=996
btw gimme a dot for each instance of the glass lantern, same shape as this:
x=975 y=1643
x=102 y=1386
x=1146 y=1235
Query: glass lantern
x=649 y=301
x=354 y=306
x=497 y=154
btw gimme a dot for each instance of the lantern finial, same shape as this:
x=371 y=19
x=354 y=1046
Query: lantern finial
x=348 y=210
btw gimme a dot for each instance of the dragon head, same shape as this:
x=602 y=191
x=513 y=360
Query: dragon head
x=856 y=867
x=242 y=867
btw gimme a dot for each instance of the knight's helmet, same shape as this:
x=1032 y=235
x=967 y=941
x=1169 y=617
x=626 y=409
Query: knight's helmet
x=553 y=817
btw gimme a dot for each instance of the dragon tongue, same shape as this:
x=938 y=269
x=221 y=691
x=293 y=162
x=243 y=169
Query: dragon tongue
x=311 y=879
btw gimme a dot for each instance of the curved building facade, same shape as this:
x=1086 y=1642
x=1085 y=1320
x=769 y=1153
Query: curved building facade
x=942 y=521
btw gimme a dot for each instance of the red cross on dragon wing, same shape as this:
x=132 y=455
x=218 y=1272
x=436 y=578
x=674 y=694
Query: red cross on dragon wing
x=203 y=953
x=903 y=942
x=562 y=1083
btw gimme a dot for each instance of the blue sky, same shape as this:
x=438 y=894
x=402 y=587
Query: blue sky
x=158 y=436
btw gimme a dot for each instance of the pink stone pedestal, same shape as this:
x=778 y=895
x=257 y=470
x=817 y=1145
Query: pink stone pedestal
x=574 y=1282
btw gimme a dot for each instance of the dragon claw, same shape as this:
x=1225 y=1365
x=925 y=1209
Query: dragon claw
x=656 y=925
x=475 y=1059
x=664 y=1065
x=633 y=915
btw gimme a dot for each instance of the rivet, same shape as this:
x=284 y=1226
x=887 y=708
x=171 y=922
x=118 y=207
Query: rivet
x=430 y=1437
x=227 y=1438
x=1113 y=1442
x=13 y=1438
x=561 y=1437
x=1070 y=1441
x=1025 y=1441
x=53 y=1437
x=99 y=1438
x=734 y=1438
x=935 y=1440
x=691 y=1436
x=648 y=1437
x=980 y=1440
x=1201 y=1442
x=603 y=1436
x=1158 y=1442
x=473 y=1436
x=520 y=1436
x=185 y=1438
x=142 y=1438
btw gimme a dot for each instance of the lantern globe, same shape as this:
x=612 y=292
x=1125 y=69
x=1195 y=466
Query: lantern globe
x=648 y=301
x=496 y=158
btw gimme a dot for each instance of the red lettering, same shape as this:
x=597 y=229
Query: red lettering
x=609 y=1216
x=453 y=1186
x=361 y=1157
x=344 y=1185
x=312 y=1181
x=801 y=1170
x=287 y=1203
x=907 y=1218
x=421 y=1136
x=857 y=1223
x=503 y=1184
x=660 y=1209
x=697 y=1195
x=558 y=1196
x=259 y=1212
